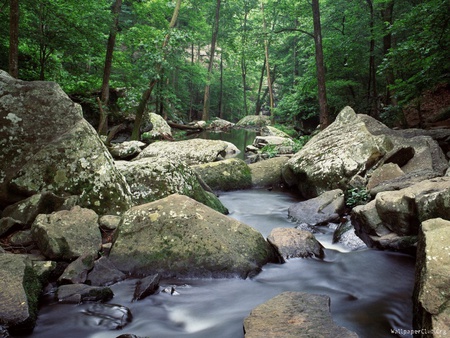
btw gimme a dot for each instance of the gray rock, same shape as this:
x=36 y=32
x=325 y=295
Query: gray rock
x=109 y=316
x=292 y=243
x=177 y=236
x=76 y=272
x=384 y=173
x=231 y=174
x=77 y=293
x=151 y=179
x=104 y=273
x=432 y=282
x=272 y=131
x=109 y=222
x=160 y=130
x=21 y=238
x=20 y=290
x=268 y=173
x=220 y=124
x=8 y=224
x=294 y=314
x=282 y=145
x=146 y=286
x=193 y=151
x=323 y=209
x=65 y=156
x=66 y=235
x=253 y=121
x=126 y=150
x=345 y=234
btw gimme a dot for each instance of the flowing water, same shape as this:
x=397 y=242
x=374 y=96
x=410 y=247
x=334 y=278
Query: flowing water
x=370 y=290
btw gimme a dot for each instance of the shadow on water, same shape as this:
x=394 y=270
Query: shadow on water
x=370 y=290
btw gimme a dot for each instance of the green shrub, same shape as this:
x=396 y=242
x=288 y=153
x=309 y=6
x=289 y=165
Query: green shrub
x=356 y=196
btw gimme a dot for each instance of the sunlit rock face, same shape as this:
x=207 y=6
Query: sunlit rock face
x=46 y=145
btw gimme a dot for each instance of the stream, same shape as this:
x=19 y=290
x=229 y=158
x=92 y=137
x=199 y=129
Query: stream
x=370 y=290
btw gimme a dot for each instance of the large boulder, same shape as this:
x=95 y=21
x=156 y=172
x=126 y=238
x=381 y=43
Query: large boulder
x=160 y=130
x=331 y=158
x=46 y=145
x=19 y=295
x=392 y=220
x=322 y=209
x=193 y=151
x=231 y=174
x=253 y=121
x=294 y=314
x=177 y=236
x=432 y=282
x=68 y=234
x=151 y=179
x=268 y=173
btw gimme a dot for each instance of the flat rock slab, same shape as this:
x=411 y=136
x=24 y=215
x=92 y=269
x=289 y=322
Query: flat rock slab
x=294 y=314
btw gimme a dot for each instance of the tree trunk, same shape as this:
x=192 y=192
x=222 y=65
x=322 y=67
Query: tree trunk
x=104 y=97
x=215 y=32
x=323 y=105
x=372 y=83
x=14 y=38
x=243 y=60
x=148 y=92
x=221 y=87
x=387 y=17
x=266 y=53
x=261 y=79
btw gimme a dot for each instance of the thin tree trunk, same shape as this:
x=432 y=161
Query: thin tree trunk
x=104 y=97
x=244 y=61
x=387 y=16
x=148 y=92
x=14 y=38
x=323 y=105
x=372 y=84
x=221 y=87
x=261 y=80
x=266 y=53
x=206 y=99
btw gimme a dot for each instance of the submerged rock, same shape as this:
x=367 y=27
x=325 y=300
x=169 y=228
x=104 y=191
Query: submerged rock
x=108 y=316
x=177 y=236
x=294 y=314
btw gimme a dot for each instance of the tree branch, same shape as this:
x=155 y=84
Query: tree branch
x=294 y=30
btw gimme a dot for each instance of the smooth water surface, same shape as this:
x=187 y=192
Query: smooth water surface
x=370 y=290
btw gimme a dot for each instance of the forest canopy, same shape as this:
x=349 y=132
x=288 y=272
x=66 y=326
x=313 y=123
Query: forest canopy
x=230 y=58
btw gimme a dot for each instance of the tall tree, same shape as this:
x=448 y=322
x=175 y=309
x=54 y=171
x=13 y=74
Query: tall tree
x=159 y=68
x=266 y=54
x=215 y=32
x=320 y=67
x=103 y=125
x=14 y=38
x=372 y=83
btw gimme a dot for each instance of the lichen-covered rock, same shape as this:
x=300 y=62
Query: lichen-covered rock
x=253 y=121
x=126 y=150
x=331 y=158
x=268 y=173
x=323 y=209
x=19 y=295
x=272 y=131
x=294 y=314
x=160 y=129
x=193 y=151
x=292 y=243
x=386 y=172
x=67 y=234
x=153 y=178
x=221 y=124
x=76 y=272
x=46 y=145
x=177 y=236
x=432 y=280
x=231 y=174
x=282 y=145
x=392 y=220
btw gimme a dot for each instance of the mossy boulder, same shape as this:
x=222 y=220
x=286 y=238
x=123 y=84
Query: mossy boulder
x=47 y=145
x=268 y=173
x=253 y=121
x=151 y=179
x=179 y=237
x=231 y=174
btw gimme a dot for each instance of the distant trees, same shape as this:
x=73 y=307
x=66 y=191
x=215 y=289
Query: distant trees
x=303 y=59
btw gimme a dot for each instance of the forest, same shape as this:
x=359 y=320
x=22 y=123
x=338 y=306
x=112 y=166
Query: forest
x=299 y=61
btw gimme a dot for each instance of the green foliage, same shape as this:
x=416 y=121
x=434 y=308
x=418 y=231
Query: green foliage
x=356 y=196
x=270 y=150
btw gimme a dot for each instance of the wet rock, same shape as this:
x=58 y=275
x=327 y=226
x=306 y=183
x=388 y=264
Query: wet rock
x=20 y=290
x=292 y=243
x=323 y=209
x=177 y=236
x=108 y=316
x=231 y=174
x=193 y=151
x=104 y=273
x=294 y=314
x=66 y=235
x=268 y=173
x=151 y=179
x=76 y=272
x=76 y=293
x=146 y=286
x=65 y=156
x=345 y=234
x=432 y=280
